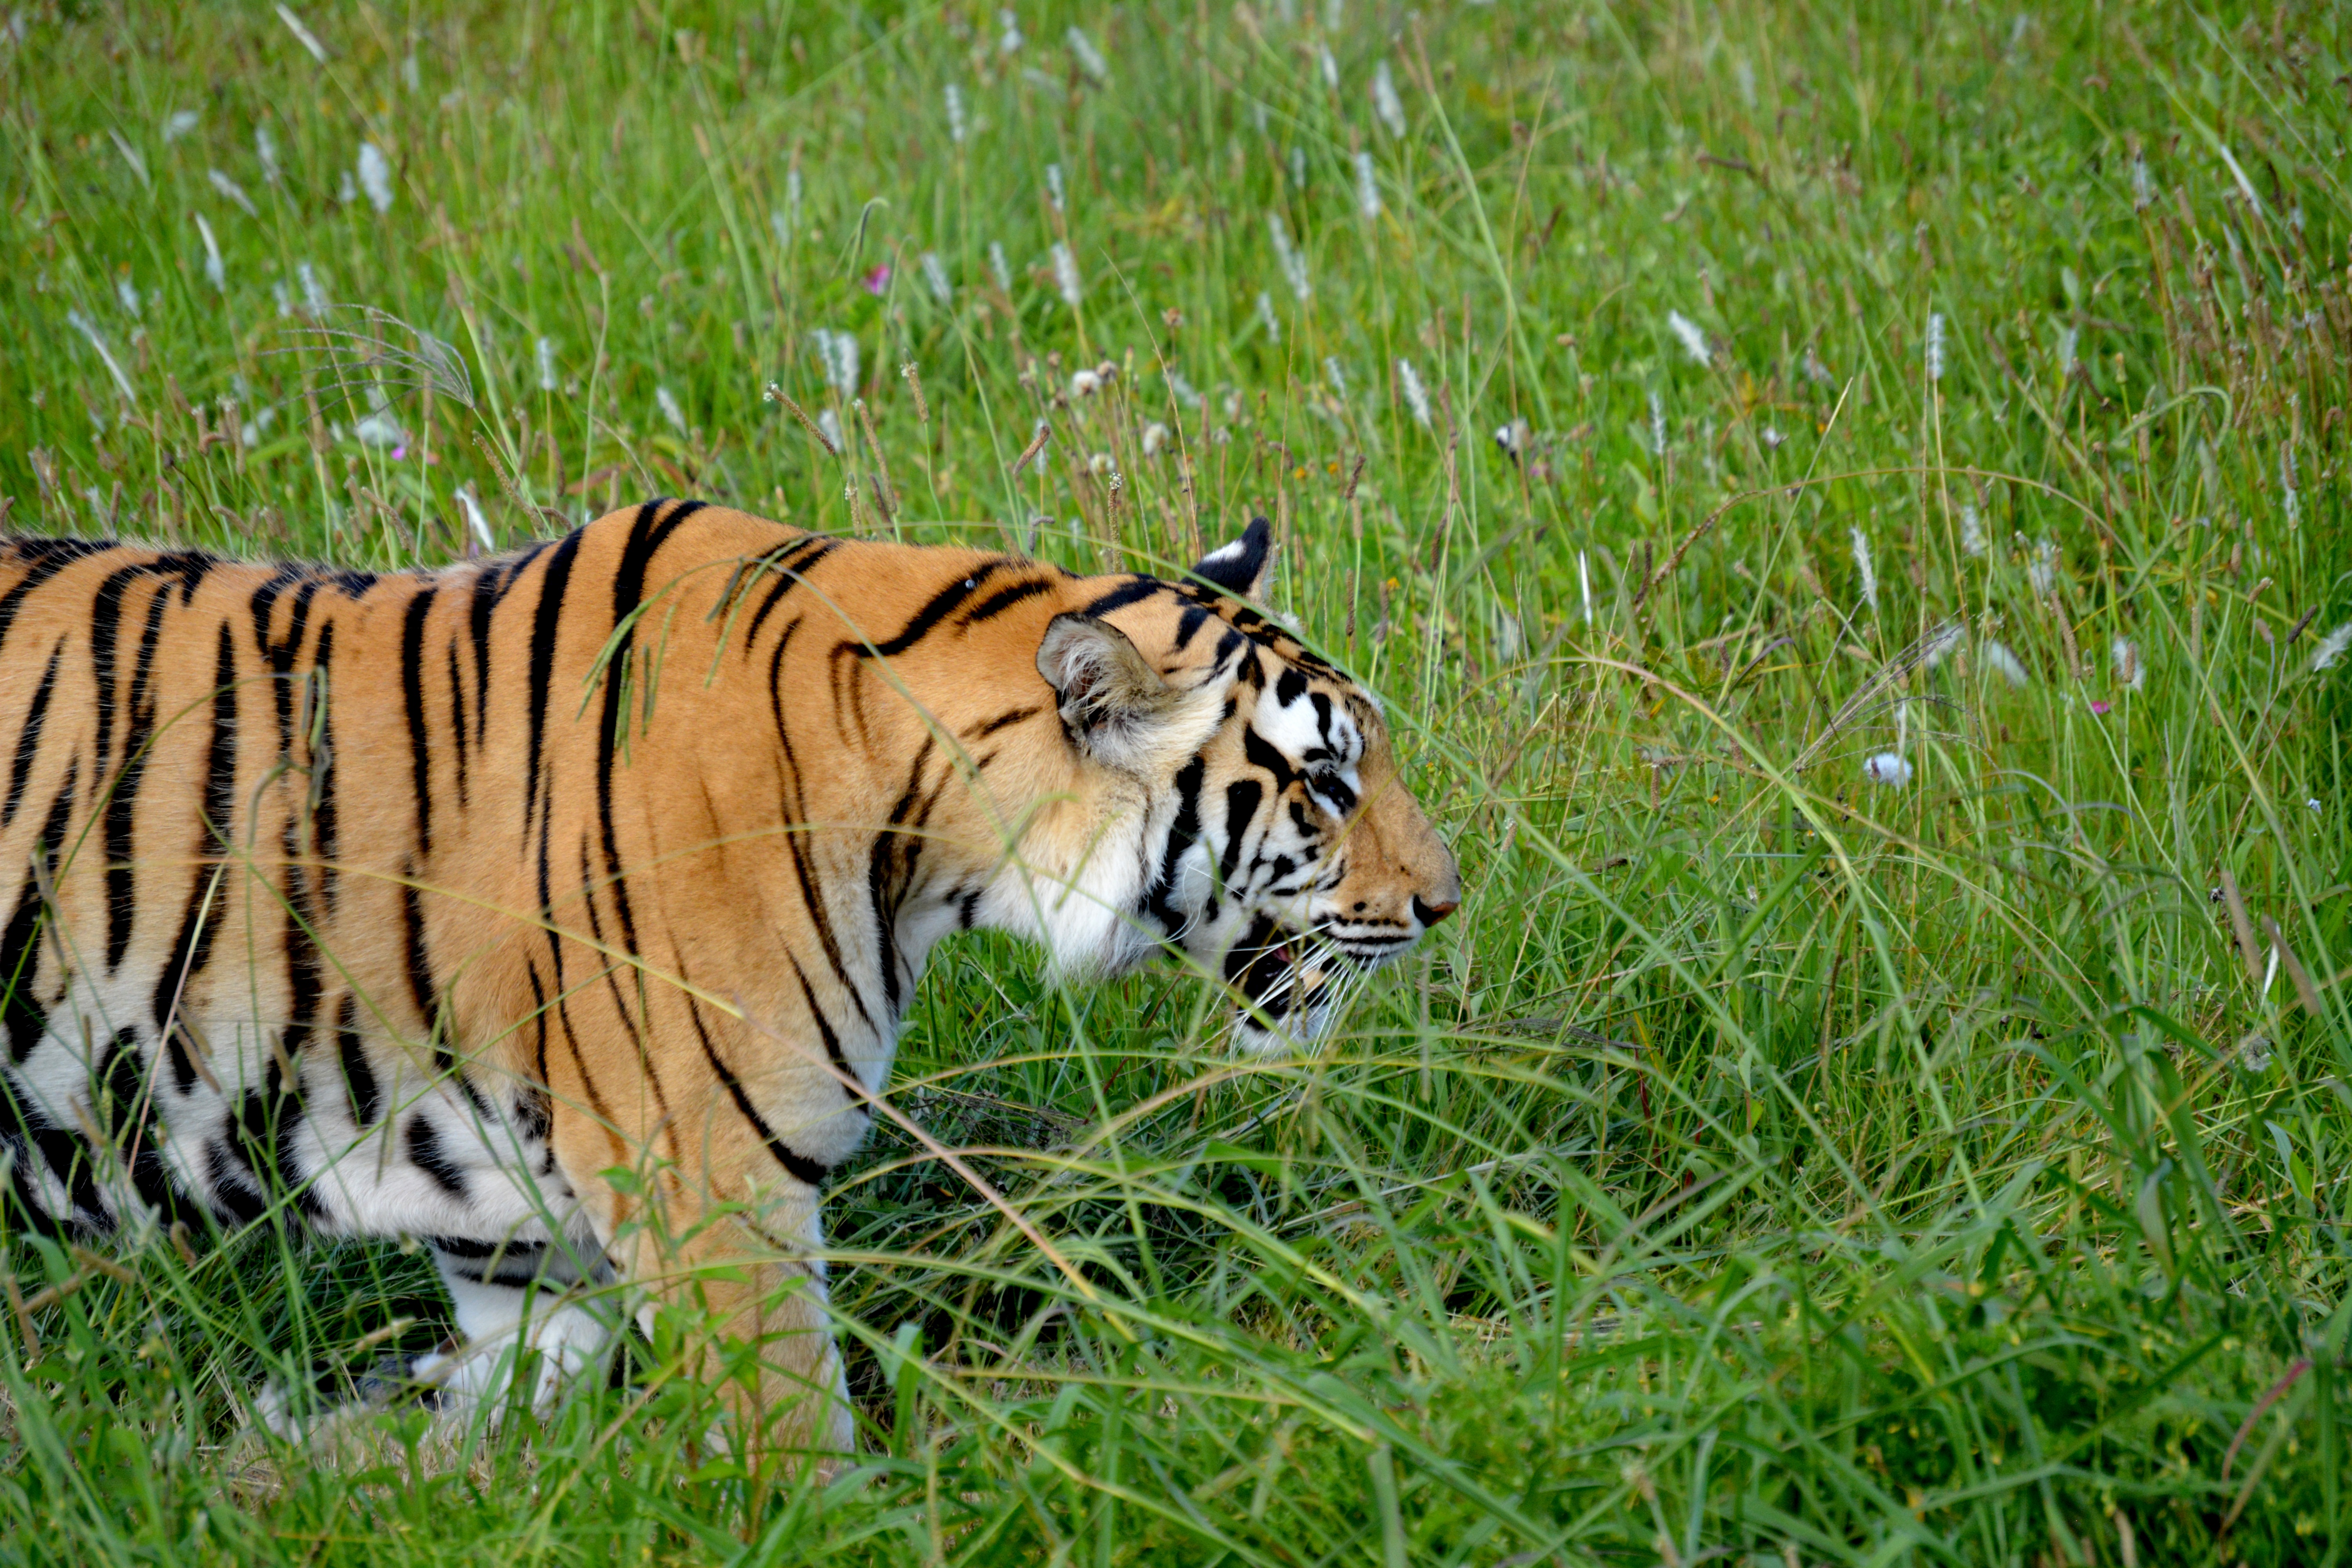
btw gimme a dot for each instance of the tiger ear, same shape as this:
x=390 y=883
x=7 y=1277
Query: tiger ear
x=1109 y=691
x=1239 y=568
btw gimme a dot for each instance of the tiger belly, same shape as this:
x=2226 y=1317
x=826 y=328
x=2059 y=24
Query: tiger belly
x=342 y=1133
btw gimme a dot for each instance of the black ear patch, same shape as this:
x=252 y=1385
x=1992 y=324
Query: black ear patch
x=1238 y=568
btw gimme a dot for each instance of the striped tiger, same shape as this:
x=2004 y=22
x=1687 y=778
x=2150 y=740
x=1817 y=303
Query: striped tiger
x=421 y=904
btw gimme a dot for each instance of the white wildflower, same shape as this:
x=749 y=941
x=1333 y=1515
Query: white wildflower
x=1743 y=75
x=1267 y=321
x=2331 y=649
x=2043 y=570
x=2254 y=1055
x=2143 y=193
x=1385 y=102
x=1889 y=768
x=1184 y=390
x=999 y=268
x=1416 y=396
x=546 y=350
x=250 y=432
x=1940 y=644
x=829 y=426
x=1090 y=60
x=180 y=124
x=475 y=523
x=216 y=273
x=1066 y=275
x=959 y=127
x=127 y=293
x=2130 y=674
x=1338 y=381
x=1935 y=346
x=1771 y=438
x=1155 y=437
x=314 y=295
x=265 y=147
x=2003 y=663
x=1863 y=569
x=1294 y=264
x=1084 y=383
x=2287 y=476
x=2067 y=339
x=1657 y=426
x=781 y=227
x=87 y=329
x=303 y=35
x=131 y=156
x=836 y=355
x=669 y=408
x=375 y=176
x=1330 y=67
x=380 y=427
x=1367 y=187
x=1297 y=167
x=232 y=190
x=347 y=190
x=1011 y=40
x=1053 y=192
x=285 y=301
x=1694 y=339
x=1972 y=534
x=935 y=276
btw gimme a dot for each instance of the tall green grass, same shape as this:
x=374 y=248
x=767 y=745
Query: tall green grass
x=1886 y=1096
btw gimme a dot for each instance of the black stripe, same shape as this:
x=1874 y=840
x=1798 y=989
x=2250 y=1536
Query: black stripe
x=194 y=947
x=880 y=861
x=942 y=605
x=854 y=1088
x=1264 y=754
x=646 y=540
x=458 y=719
x=425 y=1153
x=613 y=977
x=105 y=630
x=29 y=739
x=796 y=820
x=359 y=1078
x=1004 y=720
x=48 y=557
x=1003 y=599
x=1143 y=588
x=325 y=818
x=791 y=568
x=808 y=1171
x=122 y=891
x=1182 y=834
x=412 y=686
x=20 y=959
x=1189 y=623
x=1242 y=798
x=543 y=657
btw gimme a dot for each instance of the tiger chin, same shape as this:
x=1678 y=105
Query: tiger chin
x=420 y=904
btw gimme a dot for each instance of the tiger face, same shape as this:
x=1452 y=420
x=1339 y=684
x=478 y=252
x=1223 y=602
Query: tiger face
x=1277 y=845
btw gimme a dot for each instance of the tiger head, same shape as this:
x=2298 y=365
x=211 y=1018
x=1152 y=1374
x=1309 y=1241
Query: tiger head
x=1248 y=803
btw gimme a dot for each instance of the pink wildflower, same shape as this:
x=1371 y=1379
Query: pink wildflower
x=877 y=280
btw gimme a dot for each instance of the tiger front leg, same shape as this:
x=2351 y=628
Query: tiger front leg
x=743 y=1288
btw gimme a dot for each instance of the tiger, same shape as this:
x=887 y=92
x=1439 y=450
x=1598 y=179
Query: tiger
x=559 y=910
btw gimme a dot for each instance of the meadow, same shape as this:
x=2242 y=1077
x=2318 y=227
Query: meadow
x=1844 y=505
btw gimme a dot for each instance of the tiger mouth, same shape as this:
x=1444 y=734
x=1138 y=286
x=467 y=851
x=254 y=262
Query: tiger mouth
x=1286 y=977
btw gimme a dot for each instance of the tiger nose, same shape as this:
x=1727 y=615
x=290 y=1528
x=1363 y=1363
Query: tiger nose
x=1428 y=914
